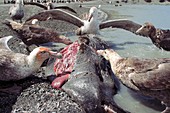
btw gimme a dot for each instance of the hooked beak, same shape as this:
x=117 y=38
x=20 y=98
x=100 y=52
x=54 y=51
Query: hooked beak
x=55 y=54
x=139 y=30
x=90 y=17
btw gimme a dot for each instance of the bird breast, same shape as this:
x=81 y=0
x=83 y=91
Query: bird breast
x=91 y=27
x=17 y=11
x=13 y=66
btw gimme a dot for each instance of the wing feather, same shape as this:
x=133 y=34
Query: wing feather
x=156 y=78
x=122 y=24
x=57 y=14
x=37 y=4
x=165 y=44
x=66 y=8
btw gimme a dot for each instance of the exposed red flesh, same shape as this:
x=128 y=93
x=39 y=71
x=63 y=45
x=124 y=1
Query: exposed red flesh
x=59 y=81
x=65 y=65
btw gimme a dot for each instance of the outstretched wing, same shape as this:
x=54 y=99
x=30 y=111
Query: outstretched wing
x=122 y=24
x=57 y=14
x=156 y=78
x=66 y=8
x=37 y=4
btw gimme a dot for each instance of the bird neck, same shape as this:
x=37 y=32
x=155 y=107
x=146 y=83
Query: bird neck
x=33 y=61
x=114 y=59
x=152 y=32
x=94 y=22
x=94 y=18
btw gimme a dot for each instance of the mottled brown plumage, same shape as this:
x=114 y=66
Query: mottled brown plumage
x=159 y=37
x=34 y=34
x=148 y=76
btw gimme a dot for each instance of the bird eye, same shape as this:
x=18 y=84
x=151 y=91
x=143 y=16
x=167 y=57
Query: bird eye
x=42 y=52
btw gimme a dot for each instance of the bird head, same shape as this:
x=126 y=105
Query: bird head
x=112 y=56
x=93 y=13
x=147 y=30
x=103 y=53
x=40 y=54
x=43 y=53
x=109 y=54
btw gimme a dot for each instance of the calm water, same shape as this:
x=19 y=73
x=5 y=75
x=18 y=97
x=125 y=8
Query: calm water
x=130 y=45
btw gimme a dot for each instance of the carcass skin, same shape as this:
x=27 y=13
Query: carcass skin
x=90 y=84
